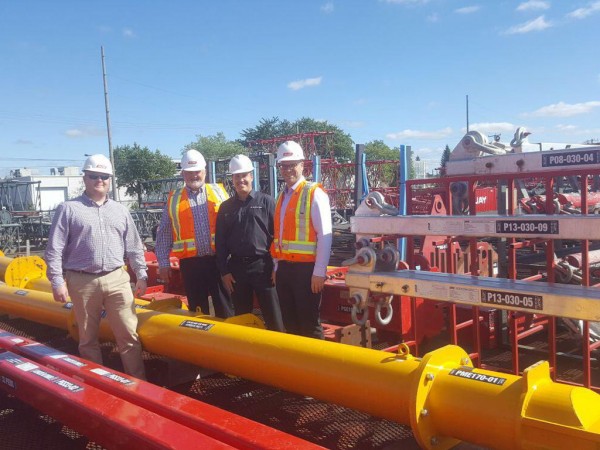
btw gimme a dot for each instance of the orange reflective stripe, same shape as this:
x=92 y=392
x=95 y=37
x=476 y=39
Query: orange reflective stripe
x=182 y=219
x=215 y=195
x=173 y=205
x=299 y=238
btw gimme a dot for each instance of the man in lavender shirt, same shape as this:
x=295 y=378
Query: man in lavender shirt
x=89 y=238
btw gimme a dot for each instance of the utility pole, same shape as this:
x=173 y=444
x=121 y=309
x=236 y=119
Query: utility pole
x=107 y=109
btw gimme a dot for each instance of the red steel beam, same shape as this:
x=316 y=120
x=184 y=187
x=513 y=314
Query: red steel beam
x=217 y=423
x=110 y=421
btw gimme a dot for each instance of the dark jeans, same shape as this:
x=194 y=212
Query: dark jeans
x=201 y=278
x=254 y=276
x=300 y=308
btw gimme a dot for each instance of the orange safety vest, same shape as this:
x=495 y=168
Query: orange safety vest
x=299 y=240
x=180 y=212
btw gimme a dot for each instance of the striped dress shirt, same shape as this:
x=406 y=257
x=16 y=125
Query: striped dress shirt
x=164 y=234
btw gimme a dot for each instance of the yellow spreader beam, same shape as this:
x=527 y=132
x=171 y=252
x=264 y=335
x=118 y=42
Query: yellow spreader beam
x=441 y=396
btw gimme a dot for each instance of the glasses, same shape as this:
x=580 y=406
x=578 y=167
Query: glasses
x=288 y=166
x=95 y=177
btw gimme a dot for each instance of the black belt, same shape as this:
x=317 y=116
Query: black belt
x=248 y=259
x=286 y=261
x=99 y=274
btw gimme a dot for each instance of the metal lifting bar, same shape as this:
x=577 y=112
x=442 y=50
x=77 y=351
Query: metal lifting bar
x=530 y=226
x=574 y=302
x=219 y=424
x=442 y=396
x=530 y=162
x=108 y=420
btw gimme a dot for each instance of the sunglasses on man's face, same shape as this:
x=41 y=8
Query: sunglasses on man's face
x=288 y=166
x=95 y=177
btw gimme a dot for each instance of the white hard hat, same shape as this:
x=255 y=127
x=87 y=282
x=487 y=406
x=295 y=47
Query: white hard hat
x=240 y=164
x=193 y=160
x=98 y=163
x=290 y=151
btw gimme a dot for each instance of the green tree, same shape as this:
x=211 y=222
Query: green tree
x=445 y=156
x=266 y=129
x=134 y=165
x=339 y=143
x=216 y=147
x=377 y=150
x=411 y=162
x=382 y=174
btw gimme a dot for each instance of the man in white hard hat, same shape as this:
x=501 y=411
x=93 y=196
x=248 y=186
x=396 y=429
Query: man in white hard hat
x=301 y=245
x=88 y=239
x=187 y=231
x=244 y=237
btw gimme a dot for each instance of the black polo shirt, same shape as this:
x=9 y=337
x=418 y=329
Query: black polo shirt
x=244 y=228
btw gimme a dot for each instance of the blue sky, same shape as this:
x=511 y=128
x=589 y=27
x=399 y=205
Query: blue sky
x=394 y=70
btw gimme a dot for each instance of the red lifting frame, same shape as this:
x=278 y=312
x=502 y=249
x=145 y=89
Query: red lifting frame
x=217 y=423
x=514 y=318
x=110 y=421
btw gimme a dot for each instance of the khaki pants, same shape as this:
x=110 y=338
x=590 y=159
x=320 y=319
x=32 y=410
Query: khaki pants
x=91 y=294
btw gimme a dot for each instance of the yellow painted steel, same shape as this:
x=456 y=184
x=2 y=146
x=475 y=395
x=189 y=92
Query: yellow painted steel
x=441 y=395
x=36 y=306
x=29 y=272
x=39 y=284
x=20 y=271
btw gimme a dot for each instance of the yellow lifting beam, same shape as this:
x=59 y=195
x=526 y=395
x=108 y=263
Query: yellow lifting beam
x=441 y=396
x=19 y=272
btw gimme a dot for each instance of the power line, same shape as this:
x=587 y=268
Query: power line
x=156 y=88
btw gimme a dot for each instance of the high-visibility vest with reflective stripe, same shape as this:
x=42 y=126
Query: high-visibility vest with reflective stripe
x=180 y=212
x=299 y=239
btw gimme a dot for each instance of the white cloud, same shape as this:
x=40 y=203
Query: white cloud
x=468 y=9
x=406 y=2
x=591 y=133
x=537 y=24
x=533 y=5
x=566 y=133
x=567 y=128
x=23 y=142
x=416 y=134
x=562 y=109
x=74 y=133
x=433 y=18
x=582 y=13
x=327 y=8
x=301 y=84
x=128 y=33
x=428 y=154
x=492 y=127
x=84 y=132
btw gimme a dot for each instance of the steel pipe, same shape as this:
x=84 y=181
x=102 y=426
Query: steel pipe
x=441 y=395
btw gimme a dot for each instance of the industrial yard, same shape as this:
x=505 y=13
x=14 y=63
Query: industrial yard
x=449 y=278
